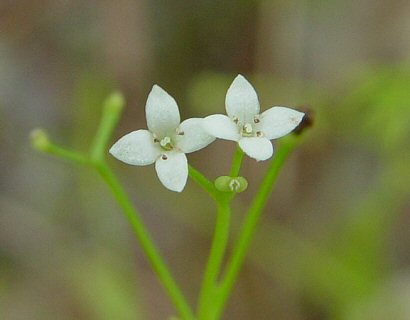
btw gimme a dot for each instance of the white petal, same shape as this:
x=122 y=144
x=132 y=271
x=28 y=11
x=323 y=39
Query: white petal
x=241 y=100
x=172 y=170
x=257 y=148
x=162 y=112
x=222 y=127
x=279 y=121
x=137 y=148
x=193 y=136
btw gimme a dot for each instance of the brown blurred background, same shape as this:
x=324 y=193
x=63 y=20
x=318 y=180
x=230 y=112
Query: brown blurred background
x=334 y=240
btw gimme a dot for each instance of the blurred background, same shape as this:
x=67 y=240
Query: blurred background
x=333 y=242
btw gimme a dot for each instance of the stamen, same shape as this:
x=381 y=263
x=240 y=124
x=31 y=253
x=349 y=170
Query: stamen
x=236 y=120
x=179 y=132
x=256 y=119
x=247 y=128
x=165 y=141
x=164 y=157
x=259 y=133
x=156 y=140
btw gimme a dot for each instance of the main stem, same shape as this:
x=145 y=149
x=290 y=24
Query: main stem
x=252 y=218
x=156 y=261
x=215 y=259
x=206 y=301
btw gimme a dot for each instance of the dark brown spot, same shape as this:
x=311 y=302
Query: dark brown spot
x=164 y=157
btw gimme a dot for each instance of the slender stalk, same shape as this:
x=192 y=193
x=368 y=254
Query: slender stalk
x=136 y=223
x=69 y=155
x=236 y=162
x=288 y=144
x=112 y=108
x=206 y=301
x=146 y=242
x=217 y=253
x=203 y=182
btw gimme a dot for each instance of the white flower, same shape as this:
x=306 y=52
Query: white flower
x=166 y=141
x=245 y=125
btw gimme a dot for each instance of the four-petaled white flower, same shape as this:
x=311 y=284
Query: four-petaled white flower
x=166 y=141
x=245 y=125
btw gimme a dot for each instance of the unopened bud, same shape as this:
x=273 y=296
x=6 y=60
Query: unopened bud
x=114 y=102
x=39 y=140
x=231 y=184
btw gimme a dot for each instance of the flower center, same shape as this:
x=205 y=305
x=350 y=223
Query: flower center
x=166 y=143
x=249 y=129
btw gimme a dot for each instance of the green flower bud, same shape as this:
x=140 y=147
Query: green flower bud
x=231 y=184
x=39 y=140
x=114 y=102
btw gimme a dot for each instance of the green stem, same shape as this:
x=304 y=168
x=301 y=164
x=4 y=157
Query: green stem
x=206 y=300
x=111 y=113
x=217 y=253
x=236 y=162
x=69 y=155
x=146 y=242
x=112 y=108
x=203 y=182
x=288 y=144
